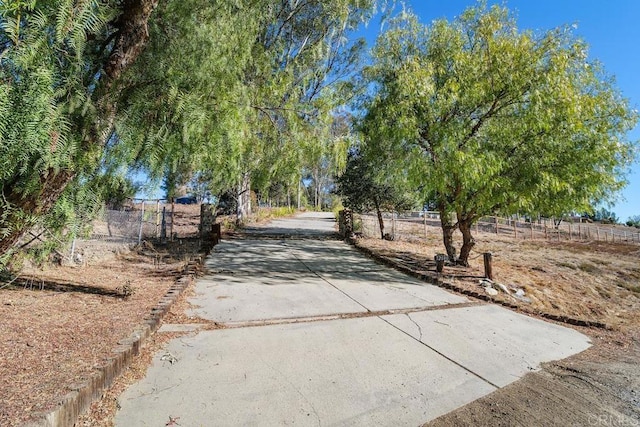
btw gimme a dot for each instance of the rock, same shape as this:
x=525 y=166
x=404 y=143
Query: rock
x=503 y=288
x=523 y=299
x=520 y=292
x=489 y=290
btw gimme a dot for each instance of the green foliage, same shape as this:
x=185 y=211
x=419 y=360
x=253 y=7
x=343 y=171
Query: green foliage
x=489 y=119
x=49 y=61
x=604 y=216
x=232 y=91
x=363 y=187
x=634 y=221
x=247 y=88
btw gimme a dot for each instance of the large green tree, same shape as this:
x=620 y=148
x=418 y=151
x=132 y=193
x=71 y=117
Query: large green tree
x=490 y=119
x=242 y=90
x=60 y=63
x=176 y=88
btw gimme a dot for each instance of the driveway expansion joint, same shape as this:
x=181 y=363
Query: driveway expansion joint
x=342 y=316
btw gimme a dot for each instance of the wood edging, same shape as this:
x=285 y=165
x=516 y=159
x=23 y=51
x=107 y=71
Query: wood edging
x=484 y=297
x=83 y=394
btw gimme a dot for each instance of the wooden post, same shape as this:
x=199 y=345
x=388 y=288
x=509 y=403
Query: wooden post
x=580 y=230
x=545 y=230
x=515 y=229
x=488 y=268
x=597 y=234
x=393 y=225
x=157 y=218
x=531 y=226
x=497 y=225
x=425 y=224
x=570 y=232
x=163 y=226
x=439 y=259
x=173 y=207
x=215 y=228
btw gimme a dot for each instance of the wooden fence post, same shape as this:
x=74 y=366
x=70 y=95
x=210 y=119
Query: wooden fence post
x=488 y=268
x=439 y=259
x=157 y=218
x=425 y=224
x=173 y=218
x=497 y=225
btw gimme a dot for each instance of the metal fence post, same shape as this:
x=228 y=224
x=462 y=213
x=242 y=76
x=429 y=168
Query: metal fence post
x=141 y=222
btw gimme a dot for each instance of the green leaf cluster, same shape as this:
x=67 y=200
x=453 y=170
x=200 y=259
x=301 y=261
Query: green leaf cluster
x=488 y=119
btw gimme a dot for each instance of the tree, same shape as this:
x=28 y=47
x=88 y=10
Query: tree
x=605 y=216
x=231 y=87
x=492 y=120
x=634 y=221
x=363 y=189
x=61 y=62
x=245 y=90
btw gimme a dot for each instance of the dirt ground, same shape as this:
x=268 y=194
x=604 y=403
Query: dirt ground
x=58 y=323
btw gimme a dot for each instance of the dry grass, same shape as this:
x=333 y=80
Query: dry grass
x=62 y=322
x=594 y=281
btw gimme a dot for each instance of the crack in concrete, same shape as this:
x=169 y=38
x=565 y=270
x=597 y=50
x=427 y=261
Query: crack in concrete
x=443 y=355
x=283 y=377
x=417 y=325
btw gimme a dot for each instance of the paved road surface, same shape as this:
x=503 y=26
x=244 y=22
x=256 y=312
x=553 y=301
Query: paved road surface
x=319 y=335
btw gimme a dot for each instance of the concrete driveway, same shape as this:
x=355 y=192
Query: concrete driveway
x=318 y=334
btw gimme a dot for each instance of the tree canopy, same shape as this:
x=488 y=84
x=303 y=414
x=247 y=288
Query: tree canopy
x=237 y=92
x=363 y=188
x=488 y=119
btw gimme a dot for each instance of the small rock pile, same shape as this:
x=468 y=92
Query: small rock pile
x=493 y=289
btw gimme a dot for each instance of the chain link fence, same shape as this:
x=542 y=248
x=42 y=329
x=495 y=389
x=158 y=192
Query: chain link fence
x=140 y=221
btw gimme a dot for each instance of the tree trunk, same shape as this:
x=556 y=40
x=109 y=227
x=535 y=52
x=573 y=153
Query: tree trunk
x=244 y=199
x=468 y=242
x=380 y=219
x=18 y=211
x=316 y=188
x=447 y=233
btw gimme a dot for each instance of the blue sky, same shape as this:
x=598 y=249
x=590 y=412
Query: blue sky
x=610 y=27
